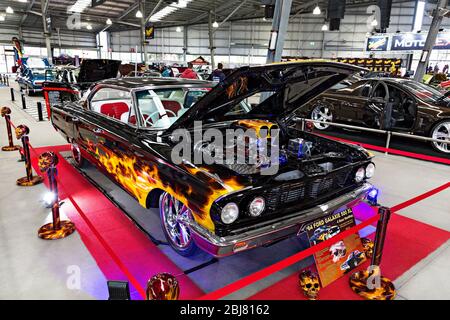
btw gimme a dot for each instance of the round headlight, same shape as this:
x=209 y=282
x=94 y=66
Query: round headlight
x=230 y=213
x=360 y=174
x=256 y=207
x=370 y=170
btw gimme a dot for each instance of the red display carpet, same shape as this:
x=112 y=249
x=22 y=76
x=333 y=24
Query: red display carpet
x=121 y=250
x=407 y=242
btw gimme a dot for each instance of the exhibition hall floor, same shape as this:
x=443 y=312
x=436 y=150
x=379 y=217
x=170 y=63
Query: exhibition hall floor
x=109 y=246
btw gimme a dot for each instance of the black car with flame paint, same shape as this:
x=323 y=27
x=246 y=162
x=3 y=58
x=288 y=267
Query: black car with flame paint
x=126 y=128
x=393 y=104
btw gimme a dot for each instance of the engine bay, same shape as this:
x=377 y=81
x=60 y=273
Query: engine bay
x=294 y=154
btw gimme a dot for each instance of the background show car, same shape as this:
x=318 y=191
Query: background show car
x=89 y=72
x=127 y=127
x=385 y=103
x=32 y=74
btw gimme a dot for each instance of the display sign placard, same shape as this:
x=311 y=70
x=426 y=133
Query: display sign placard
x=408 y=41
x=377 y=43
x=344 y=255
x=416 y=41
x=149 y=31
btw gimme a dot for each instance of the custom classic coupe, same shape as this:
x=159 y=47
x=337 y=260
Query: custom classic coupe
x=127 y=128
x=385 y=103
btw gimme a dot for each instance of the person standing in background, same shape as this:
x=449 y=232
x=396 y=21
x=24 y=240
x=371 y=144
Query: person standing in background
x=436 y=68
x=218 y=75
x=189 y=73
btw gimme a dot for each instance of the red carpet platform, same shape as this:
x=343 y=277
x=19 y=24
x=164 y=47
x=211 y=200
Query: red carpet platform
x=407 y=242
x=121 y=250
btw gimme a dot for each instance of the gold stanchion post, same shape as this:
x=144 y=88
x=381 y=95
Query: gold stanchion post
x=163 y=286
x=22 y=132
x=369 y=284
x=5 y=112
x=57 y=229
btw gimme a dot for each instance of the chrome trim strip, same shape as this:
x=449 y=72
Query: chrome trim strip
x=222 y=246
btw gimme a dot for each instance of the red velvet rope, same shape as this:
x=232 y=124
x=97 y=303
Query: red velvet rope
x=237 y=285
x=12 y=124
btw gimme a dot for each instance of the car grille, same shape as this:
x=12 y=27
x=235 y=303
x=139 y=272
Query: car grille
x=292 y=193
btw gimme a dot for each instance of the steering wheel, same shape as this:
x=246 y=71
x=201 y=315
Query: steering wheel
x=171 y=112
x=148 y=121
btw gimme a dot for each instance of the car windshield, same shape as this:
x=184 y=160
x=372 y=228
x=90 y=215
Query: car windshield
x=426 y=93
x=35 y=63
x=160 y=108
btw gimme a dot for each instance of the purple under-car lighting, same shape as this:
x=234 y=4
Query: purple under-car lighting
x=372 y=196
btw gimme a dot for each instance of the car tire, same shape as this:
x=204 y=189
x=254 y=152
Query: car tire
x=80 y=162
x=441 y=130
x=321 y=112
x=177 y=233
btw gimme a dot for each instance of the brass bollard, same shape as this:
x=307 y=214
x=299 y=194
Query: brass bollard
x=22 y=132
x=57 y=229
x=369 y=284
x=5 y=112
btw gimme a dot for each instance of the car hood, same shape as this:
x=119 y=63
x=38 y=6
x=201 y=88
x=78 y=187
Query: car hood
x=93 y=70
x=291 y=85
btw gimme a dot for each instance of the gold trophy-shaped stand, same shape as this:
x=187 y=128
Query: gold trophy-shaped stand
x=5 y=113
x=29 y=180
x=369 y=284
x=57 y=229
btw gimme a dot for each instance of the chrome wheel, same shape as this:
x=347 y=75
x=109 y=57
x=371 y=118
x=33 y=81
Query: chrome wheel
x=321 y=113
x=442 y=132
x=173 y=213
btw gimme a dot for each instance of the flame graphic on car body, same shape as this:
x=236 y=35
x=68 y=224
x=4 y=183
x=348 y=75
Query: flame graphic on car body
x=140 y=177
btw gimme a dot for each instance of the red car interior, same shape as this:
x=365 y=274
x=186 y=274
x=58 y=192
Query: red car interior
x=115 y=109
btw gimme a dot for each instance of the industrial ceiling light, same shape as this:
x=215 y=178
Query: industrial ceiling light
x=182 y=4
x=2 y=18
x=215 y=24
x=23 y=1
x=168 y=10
x=178 y=29
x=9 y=10
x=374 y=23
x=89 y=27
x=325 y=27
x=316 y=10
x=79 y=6
x=108 y=21
x=139 y=14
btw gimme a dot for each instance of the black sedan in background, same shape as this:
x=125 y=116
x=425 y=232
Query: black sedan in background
x=385 y=103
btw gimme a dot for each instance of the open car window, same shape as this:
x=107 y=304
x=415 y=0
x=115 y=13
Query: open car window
x=160 y=108
x=113 y=103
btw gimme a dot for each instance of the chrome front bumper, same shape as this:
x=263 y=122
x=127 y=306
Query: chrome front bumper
x=278 y=229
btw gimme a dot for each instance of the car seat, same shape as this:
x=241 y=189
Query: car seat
x=114 y=109
x=173 y=106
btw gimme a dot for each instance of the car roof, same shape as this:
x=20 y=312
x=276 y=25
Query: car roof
x=396 y=80
x=139 y=82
